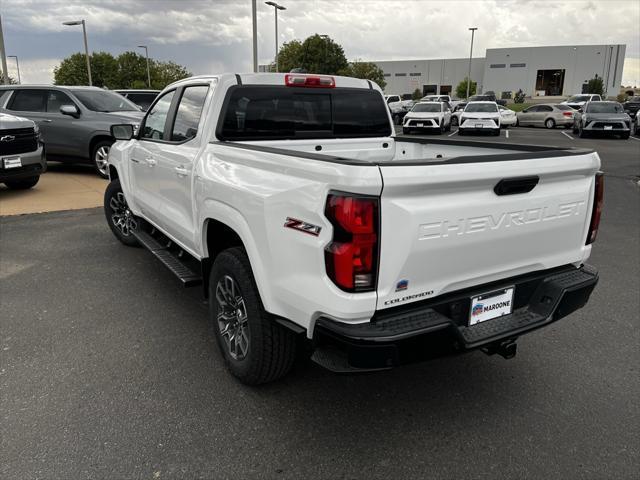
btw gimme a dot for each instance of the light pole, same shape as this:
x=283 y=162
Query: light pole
x=473 y=31
x=276 y=7
x=86 y=47
x=325 y=38
x=146 y=53
x=254 y=22
x=5 y=75
x=17 y=66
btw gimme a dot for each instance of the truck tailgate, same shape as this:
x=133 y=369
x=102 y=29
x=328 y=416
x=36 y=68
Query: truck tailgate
x=444 y=228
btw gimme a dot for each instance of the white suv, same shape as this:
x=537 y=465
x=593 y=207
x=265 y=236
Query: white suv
x=428 y=115
x=480 y=116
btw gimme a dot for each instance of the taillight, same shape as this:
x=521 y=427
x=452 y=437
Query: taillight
x=351 y=258
x=596 y=213
x=567 y=114
x=313 y=81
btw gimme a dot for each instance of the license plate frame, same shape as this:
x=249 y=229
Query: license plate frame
x=11 y=162
x=491 y=305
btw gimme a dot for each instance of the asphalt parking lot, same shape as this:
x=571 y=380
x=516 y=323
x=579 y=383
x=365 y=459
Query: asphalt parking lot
x=108 y=369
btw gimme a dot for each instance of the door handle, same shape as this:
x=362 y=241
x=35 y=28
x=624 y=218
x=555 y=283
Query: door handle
x=151 y=161
x=134 y=160
x=181 y=171
x=46 y=121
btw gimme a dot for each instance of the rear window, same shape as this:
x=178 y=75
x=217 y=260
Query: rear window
x=273 y=112
x=565 y=108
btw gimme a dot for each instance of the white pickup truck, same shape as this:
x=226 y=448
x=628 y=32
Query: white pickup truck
x=288 y=197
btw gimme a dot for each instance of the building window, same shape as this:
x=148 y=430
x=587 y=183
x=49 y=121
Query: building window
x=401 y=74
x=387 y=74
x=497 y=65
x=415 y=74
x=517 y=65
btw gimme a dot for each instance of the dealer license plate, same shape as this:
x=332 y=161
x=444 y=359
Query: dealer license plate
x=420 y=124
x=491 y=305
x=608 y=127
x=478 y=125
x=12 y=162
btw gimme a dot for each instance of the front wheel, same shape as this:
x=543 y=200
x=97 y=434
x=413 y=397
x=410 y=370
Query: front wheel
x=120 y=218
x=255 y=348
x=22 y=184
x=100 y=158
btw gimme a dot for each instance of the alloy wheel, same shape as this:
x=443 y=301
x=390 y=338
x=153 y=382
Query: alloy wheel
x=101 y=160
x=232 y=318
x=121 y=216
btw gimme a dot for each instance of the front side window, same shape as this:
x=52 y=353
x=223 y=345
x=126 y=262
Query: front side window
x=185 y=126
x=157 y=117
x=104 y=101
x=545 y=108
x=55 y=99
x=28 y=101
x=481 y=108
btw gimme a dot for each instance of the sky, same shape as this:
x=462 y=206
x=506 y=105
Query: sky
x=214 y=36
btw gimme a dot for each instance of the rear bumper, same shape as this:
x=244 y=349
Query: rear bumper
x=33 y=164
x=440 y=326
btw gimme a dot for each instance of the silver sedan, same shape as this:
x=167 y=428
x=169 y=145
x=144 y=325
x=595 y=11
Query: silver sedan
x=546 y=115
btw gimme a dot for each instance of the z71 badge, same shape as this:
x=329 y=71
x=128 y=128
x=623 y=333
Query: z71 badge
x=301 y=226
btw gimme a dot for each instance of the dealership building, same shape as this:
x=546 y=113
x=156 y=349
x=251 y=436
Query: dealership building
x=538 y=71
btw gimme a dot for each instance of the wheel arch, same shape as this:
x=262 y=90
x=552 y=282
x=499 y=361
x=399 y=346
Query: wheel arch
x=99 y=137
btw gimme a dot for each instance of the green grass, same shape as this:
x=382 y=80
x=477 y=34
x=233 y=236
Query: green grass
x=518 y=107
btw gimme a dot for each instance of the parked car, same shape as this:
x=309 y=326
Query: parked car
x=457 y=111
x=636 y=126
x=547 y=115
x=480 y=116
x=631 y=106
x=316 y=226
x=578 y=101
x=74 y=122
x=487 y=97
x=435 y=116
x=602 y=117
x=508 y=117
x=142 y=98
x=22 y=159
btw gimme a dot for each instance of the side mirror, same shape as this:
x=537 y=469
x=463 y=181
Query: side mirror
x=122 y=132
x=70 y=109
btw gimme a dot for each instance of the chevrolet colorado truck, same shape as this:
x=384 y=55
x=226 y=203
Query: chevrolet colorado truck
x=308 y=223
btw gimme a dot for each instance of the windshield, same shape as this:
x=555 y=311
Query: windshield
x=478 y=98
x=604 y=108
x=481 y=107
x=578 y=98
x=103 y=101
x=426 y=107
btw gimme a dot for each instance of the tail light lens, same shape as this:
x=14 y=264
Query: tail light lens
x=351 y=258
x=596 y=213
x=313 y=81
x=567 y=114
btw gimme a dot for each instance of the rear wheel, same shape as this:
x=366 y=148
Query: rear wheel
x=550 y=123
x=581 y=132
x=255 y=348
x=23 y=183
x=121 y=220
x=100 y=157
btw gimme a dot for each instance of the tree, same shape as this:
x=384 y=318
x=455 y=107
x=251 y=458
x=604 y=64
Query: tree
x=366 y=70
x=417 y=94
x=315 y=55
x=128 y=70
x=595 y=85
x=461 y=89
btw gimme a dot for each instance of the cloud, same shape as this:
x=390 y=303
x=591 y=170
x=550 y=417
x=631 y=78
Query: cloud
x=206 y=34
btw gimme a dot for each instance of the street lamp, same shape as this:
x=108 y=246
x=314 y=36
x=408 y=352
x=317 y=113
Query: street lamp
x=86 y=47
x=17 y=66
x=473 y=31
x=146 y=52
x=276 y=7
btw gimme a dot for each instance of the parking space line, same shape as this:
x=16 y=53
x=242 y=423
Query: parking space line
x=635 y=138
x=452 y=134
x=567 y=135
x=506 y=132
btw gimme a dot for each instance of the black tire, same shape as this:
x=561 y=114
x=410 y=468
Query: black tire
x=496 y=132
x=397 y=120
x=271 y=348
x=98 y=160
x=120 y=219
x=441 y=130
x=574 y=129
x=448 y=129
x=624 y=136
x=406 y=131
x=460 y=131
x=454 y=121
x=550 y=123
x=581 y=132
x=23 y=183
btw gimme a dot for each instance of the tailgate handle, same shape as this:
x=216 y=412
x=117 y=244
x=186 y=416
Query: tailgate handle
x=513 y=186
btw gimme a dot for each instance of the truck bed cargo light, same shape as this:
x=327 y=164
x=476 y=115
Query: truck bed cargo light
x=313 y=81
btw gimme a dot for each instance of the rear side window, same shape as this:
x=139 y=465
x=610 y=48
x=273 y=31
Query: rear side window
x=267 y=112
x=185 y=126
x=56 y=99
x=29 y=101
x=564 y=108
